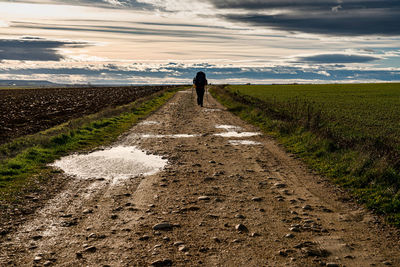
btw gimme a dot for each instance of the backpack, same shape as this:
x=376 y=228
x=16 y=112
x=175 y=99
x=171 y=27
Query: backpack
x=200 y=80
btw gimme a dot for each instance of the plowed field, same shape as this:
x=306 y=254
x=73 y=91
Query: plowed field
x=27 y=111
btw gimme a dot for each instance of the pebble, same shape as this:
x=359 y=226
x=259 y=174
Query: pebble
x=161 y=263
x=289 y=236
x=294 y=229
x=203 y=198
x=306 y=207
x=183 y=248
x=178 y=243
x=241 y=227
x=280 y=185
x=91 y=249
x=386 y=263
x=37 y=258
x=87 y=211
x=216 y=239
x=47 y=263
x=256 y=199
x=255 y=234
x=240 y=216
x=282 y=253
x=37 y=237
x=144 y=238
x=163 y=226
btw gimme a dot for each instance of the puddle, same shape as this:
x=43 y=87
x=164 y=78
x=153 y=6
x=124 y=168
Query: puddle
x=117 y=163
x=167 y=135
x=148 y=123
x=231 y=131
x=211 y=109
x=236 y=134
x=244 y=142
x=228 y=127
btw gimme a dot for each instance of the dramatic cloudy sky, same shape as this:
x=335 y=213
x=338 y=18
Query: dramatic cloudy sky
x=168 y=41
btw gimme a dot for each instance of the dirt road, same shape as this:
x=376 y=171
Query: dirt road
x=227 y=197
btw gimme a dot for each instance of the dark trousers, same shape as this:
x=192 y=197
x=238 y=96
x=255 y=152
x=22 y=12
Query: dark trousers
x=200 y=96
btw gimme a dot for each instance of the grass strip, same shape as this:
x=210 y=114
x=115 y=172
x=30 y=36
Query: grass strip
x=372 y=178
x=24 y=161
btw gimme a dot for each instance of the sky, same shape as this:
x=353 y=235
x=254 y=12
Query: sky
x=168 y=41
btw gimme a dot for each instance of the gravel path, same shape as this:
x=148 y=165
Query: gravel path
x=229 y=196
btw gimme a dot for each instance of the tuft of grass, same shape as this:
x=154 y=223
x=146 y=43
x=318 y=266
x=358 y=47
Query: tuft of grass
x=349 y=133
x=24 y=160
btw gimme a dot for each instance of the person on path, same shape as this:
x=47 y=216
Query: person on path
x=200 y=83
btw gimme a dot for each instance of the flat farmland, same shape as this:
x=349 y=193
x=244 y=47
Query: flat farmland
x=351 y=112
x=28 y=111
x=348 y=132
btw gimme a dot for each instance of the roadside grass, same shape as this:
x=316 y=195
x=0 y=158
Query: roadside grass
x=23 y=161
x=350 y=133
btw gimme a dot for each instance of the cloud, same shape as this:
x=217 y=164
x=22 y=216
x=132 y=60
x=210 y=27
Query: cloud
x=338 y=58
x=3 y=24
x=156 y=31
x=132 y=4
x=179 y=72
x=330 y=17
x=34 y=48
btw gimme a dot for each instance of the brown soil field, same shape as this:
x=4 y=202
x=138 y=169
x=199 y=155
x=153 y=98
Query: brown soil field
x=28 y=111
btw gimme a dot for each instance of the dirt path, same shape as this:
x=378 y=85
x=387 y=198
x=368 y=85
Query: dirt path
x=218 y=202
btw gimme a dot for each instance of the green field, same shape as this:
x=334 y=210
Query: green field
x=351 y=111
x=349 y=132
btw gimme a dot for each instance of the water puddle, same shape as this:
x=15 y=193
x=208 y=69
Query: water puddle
x=227 y=127
x=232 y=131
x=114 y=164
x=167 y=135
x=238 y=135
x=211 y=109
x=149 y=123
x=244 y=142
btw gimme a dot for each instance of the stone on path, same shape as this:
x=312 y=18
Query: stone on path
x=161 y=263
x=163 y=226
x=241 y=227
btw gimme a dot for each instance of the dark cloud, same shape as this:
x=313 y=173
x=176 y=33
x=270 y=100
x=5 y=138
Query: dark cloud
x=332 y=17
x=338 y=58
x=34 y=48
x=184 y=33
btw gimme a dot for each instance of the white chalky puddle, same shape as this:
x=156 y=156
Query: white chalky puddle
x=244 y=142
x=115 y=164
x=236 y=134
x=149 y=123
x=228 y=127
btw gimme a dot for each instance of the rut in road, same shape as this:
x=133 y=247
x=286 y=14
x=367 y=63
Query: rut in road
x=229 y=196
